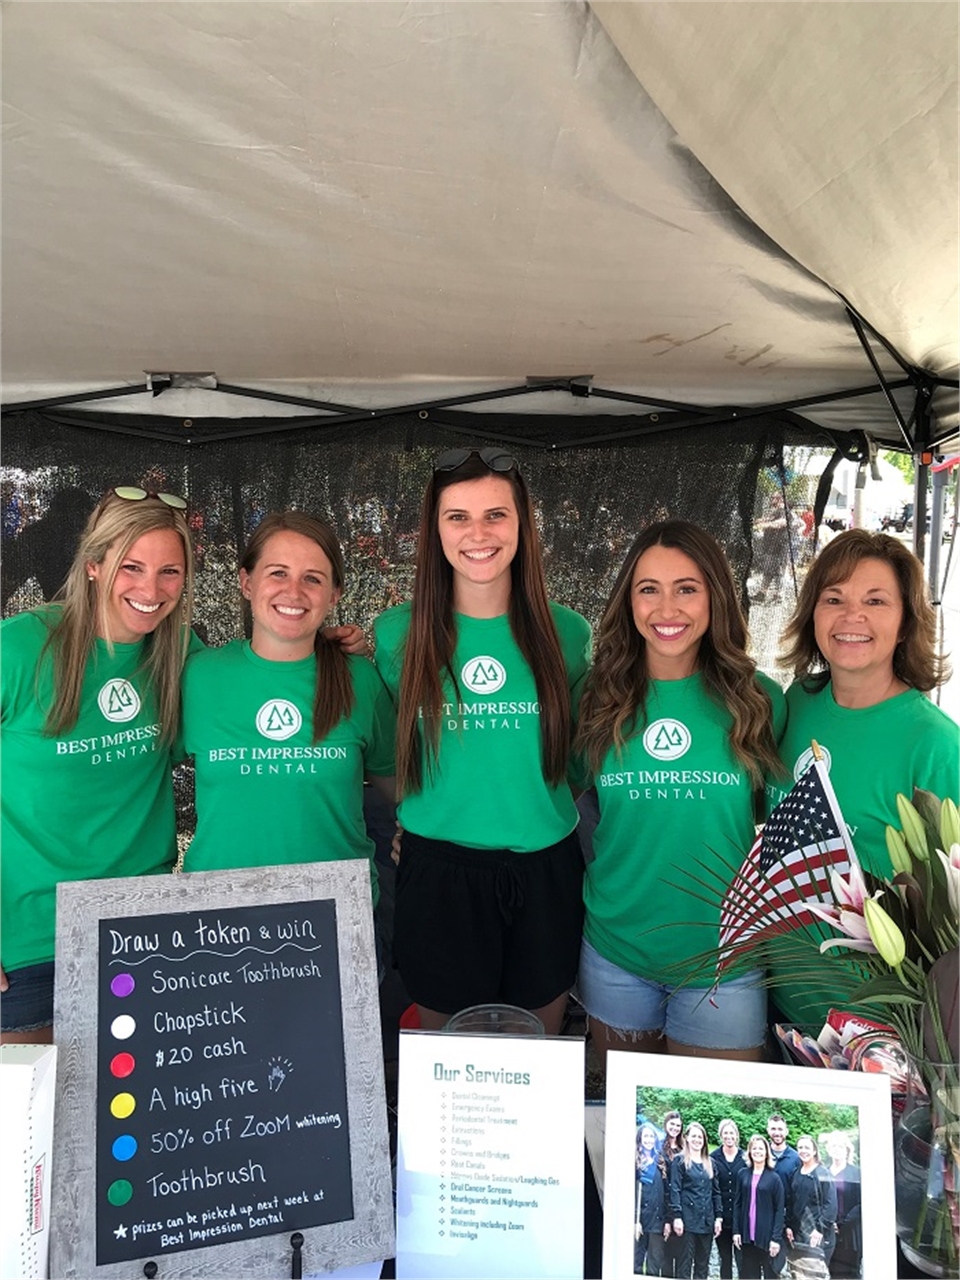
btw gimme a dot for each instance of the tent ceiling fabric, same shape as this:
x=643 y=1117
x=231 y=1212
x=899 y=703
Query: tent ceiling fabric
x=384 y=202
x=834 y=127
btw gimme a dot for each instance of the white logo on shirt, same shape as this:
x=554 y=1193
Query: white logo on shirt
x=118 y=700
x=278 y=719
x=805 y=760
x=483 y=675
x=667 y=739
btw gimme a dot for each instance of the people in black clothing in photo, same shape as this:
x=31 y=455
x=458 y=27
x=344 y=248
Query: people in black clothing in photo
x=696 y=1209
x=758 y=1213
x=673 y=1245
x=848 y=1254
x=812 y=1215
x=728 y=1159
x=786 y=1162
x=651 y=1227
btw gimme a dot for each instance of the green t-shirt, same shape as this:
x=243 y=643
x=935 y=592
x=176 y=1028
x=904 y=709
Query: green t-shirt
x=266 y=793
x=676 y=819
x=871 y=753
x=488 y=790
x=93 y=803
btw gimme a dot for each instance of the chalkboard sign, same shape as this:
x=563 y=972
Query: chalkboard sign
x=220 y=1098
x=221 y=1091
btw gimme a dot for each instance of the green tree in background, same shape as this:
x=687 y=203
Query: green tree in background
x=749 y=1111
x=902 y=461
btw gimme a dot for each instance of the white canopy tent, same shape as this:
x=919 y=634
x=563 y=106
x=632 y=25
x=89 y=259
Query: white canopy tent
x=377 y=204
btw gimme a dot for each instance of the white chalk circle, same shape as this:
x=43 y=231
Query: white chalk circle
x=122 y=1028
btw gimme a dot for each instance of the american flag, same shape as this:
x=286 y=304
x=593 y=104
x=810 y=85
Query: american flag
x=788 y=866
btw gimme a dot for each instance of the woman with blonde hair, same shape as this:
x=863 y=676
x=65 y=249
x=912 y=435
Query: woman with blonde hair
x=848 y=1253
x=90 y=708
x=728 y=1160
x=862 y=648
x=481 y=665
x=695 y=1205
x=677 y=729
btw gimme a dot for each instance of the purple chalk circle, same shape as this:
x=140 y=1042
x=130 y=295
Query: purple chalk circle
x=123 y=985
x=122 y=1028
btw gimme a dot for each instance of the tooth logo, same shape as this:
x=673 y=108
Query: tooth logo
x=483 y=675
x=667 y=739
x=118 y=700
x=278 y=719
x=805 y=760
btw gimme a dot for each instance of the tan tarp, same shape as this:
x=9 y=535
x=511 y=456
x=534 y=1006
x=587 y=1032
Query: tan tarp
x=381 y=202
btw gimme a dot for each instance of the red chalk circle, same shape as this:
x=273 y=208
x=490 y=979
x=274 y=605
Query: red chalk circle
x=123 y=1064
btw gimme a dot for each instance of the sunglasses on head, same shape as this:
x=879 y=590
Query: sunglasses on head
x=495 y=459
x=131 y=493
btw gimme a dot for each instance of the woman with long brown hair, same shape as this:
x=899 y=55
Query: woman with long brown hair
x=481 y=665
x=677 y=729
x=90 y=706
x=284 y=727
x=695 y=1205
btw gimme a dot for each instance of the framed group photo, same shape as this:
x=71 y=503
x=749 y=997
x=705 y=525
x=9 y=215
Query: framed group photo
x=844 y=1116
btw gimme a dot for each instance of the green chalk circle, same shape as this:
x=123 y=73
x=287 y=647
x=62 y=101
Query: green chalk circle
x=119 y=1192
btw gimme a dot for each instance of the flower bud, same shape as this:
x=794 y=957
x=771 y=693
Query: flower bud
x=884 y=933
x=897 y=849
x=913 y=829
x=949 y=824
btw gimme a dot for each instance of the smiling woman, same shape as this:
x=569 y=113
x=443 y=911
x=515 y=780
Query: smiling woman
x=676 y=729
x=285 y=727
x=481 y=665
x=90 y=704
x=862 y=646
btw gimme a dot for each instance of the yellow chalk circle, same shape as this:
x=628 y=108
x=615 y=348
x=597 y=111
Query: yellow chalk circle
x=123 y=1105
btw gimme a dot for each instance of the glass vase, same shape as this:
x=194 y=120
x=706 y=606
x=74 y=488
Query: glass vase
x=927 y=1169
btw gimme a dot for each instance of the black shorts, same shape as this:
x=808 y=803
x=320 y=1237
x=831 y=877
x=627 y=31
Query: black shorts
x=27 y=1005
x=484 y=926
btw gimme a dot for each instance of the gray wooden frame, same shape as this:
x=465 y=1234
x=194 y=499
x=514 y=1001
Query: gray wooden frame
x=369 y=1235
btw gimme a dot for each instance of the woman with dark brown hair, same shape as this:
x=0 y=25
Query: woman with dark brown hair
x=677 y=729
x=284 y=727
x=862 y=648
x=481 y=665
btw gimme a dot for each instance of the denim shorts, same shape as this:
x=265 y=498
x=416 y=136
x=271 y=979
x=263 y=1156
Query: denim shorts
x=733 y=1017
x=27 y=1005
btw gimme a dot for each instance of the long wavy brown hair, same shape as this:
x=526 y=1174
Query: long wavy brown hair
x=333 y=691
x=915 y=658
x=114 y=525
x=613 y=706
x=432 y=636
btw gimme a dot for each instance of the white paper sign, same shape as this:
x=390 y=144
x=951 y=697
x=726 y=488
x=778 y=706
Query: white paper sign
x=27 y=1089
x=490 y=1157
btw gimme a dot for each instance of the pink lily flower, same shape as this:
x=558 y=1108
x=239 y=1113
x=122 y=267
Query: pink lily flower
x=846 y=916
x=951 y=865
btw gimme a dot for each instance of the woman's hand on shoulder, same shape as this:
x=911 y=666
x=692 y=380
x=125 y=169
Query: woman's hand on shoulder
x=351 y=639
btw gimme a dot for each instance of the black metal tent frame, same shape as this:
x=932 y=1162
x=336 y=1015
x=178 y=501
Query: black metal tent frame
x=914 y=432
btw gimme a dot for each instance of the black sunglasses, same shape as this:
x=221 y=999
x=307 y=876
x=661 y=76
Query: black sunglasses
x=495 y=459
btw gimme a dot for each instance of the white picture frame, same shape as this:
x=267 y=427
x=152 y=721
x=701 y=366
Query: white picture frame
x=776 y=1085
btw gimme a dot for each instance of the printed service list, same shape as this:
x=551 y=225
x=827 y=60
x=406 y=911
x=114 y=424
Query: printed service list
x=490 y=1165
x=221 y=1095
